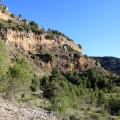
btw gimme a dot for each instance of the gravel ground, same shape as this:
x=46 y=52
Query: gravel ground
x=10 y=110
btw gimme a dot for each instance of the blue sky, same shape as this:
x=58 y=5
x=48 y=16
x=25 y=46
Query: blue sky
x=95 y=24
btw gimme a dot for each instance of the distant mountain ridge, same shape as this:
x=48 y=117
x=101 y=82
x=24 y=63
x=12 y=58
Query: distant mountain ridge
x=110 y=63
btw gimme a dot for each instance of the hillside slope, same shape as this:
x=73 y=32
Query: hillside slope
x=110 y=63
x=46 y=69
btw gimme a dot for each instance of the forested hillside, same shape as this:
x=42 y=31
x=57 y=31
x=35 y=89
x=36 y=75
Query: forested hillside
x=110 y=63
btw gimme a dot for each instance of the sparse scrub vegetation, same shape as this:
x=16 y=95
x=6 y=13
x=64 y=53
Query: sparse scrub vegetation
x=22 y=26
x=56 y=32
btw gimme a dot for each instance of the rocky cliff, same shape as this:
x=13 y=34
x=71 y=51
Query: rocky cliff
x=33 y=42
x=28 y=39
x=67 y=55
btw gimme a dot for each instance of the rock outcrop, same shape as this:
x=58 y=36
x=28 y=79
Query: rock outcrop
x=31 y=41
x=68 y=55
x=28 y=39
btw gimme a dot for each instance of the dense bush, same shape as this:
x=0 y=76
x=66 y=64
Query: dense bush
x=56 y=89
x=35 y=83
x=49 y=36
x=4 y=65
x=56 y=32
x=46 y=57
x=79 y=46
x=91 y=79
x=19 y=77
x=114 y=105
x=21 y=69
x=2 y=25
x=73 y=85
x=12 y=15
x=10 y=21
x=3 y=59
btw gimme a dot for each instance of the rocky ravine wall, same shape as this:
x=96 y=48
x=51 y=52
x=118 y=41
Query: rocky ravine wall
x=33 y=42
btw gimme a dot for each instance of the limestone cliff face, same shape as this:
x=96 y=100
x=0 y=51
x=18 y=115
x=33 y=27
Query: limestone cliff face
x=68 y=55
x=4 y=13
x=33 y=42
x=29 y=40
x=4 y=16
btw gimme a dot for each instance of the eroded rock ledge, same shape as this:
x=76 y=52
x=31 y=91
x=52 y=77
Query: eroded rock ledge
x=33 y=42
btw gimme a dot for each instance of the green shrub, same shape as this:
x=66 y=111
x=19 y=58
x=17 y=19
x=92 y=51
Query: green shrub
x=101 y=97
x=34 y=56
x=12 y=15
x=10 y=21
x=118 y=113
x=56 y=32
x=49 y=36
x=20 y=77
x=20 y=28
x=3 y=25
x=114 y=105
x=46 y=57
x=73 y=117
x=3 y=11
x=60 y=104
x=68 y=65
x=51 y=57
x=71 y=49
x=79 y=46
x=35 y=84
x=25 y=99
x=82 y=109
x=94 y=117
x=3 y=59
x=85 y=56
